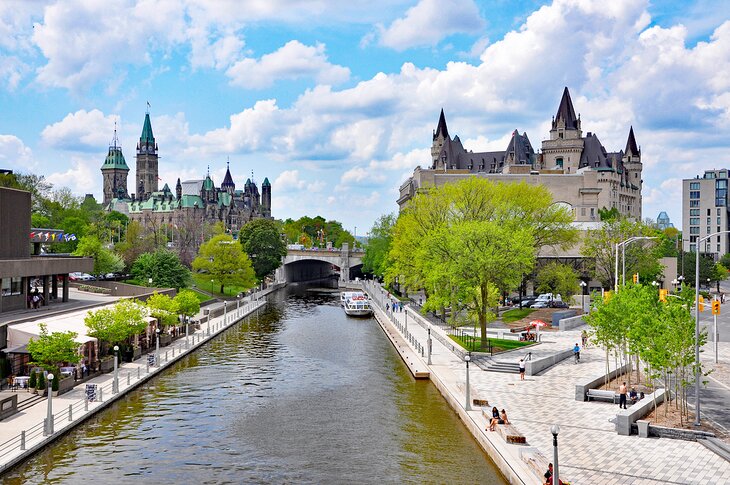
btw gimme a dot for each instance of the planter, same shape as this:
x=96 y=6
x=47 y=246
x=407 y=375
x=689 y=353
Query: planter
x=137 y=353
x=106 y=365
x=165 y=339
x=65 y=385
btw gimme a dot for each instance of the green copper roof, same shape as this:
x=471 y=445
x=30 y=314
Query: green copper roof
x=266 y=183
x=191 y=201
x=208 y=183
x=224 y=199
x=115 y=160
x=147 y=136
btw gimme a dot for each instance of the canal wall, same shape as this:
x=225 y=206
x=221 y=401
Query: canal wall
x=508 y=461
x=22 y=435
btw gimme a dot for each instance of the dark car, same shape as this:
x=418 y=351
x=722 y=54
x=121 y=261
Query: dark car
x=558 y=304
x=527 y=301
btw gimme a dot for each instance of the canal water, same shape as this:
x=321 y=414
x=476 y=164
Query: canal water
x=299 y=394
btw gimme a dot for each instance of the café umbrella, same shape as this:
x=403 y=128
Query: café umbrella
x=537 y=324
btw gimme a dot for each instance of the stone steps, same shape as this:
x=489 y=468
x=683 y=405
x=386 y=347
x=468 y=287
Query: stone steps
x=717 y=446
x=29 y=402
x=504 y=367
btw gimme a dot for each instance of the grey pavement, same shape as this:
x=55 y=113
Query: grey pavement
x=77 y=300
x=591 y=452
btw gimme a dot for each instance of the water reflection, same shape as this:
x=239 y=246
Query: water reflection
x=298 y=394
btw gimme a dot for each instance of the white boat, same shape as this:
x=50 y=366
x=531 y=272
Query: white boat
x=358 y=306
x=345 y=295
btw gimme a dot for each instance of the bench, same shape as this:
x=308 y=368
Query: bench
x=480 y=402
x=602 y=395
x=536 y=461
x=511 y=435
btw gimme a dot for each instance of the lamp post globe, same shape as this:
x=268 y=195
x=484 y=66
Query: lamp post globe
x=49 y=415
x=583 y=285
x=115 y=383
x=555 y=430
x=467 y=358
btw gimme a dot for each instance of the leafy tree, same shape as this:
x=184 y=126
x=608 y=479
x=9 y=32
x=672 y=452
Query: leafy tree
x=224 y=259
x=186 y=303
x=378 y=246
x=558 y=278
x=136 y=242
x=262 y=242
x=317 y=231
x=466 y=242
x=725 y=260
x=114 y=325
x=163 y=267
x=50 y=350
x=105 y=261
x=163 y=308
x=707 y=269
x=609 y=215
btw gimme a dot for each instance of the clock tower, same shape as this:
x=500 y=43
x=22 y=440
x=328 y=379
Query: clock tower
x=147 y=167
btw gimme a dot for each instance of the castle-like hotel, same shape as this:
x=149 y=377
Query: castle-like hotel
x=577 y=169
x=195 y=200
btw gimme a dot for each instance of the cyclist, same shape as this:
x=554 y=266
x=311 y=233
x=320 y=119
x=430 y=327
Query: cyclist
x=576 y=353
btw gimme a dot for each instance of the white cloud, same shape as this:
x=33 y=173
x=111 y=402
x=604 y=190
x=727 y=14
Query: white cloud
x=289 y=179
x=14 y=154
x=80 y=131
x=430 y=21
x=82 y=177
x=293 y=60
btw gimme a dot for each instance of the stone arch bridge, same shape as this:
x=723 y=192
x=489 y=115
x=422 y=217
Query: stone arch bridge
x=314 y=264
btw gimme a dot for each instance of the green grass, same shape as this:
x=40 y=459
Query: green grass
x=202 y=297
x=516 y=314
x=498 y=345
x=202 y=281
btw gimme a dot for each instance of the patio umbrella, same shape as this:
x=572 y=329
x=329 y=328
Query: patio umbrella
x=537 y=324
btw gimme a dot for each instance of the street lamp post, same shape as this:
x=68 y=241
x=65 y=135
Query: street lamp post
x=680 y=282
x=555 y=429
x=225 y=312
x=157 y=347
x=467 y=358
x=698 y=370
x=115 y=384
x=623 y=245
x=49 y=416
x=211 y=285
x=583 y=285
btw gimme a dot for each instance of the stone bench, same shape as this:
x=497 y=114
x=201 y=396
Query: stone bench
x=601 y=395
x=627 y=417
x=536 y=461
x=511 y=435
x=480 y=402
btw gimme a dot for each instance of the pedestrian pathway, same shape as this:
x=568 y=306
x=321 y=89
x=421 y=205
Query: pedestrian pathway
x=591 y=451
x=23 y=433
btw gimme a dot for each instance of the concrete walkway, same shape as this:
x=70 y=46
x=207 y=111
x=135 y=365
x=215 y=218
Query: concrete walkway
x=30 y=421
x=591 y=452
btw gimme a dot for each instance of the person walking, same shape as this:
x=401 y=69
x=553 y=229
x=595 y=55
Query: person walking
x=522 y=369
x=576 y=353
x=622 y=396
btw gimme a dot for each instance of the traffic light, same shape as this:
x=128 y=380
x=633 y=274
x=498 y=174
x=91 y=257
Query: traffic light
x=663 y=295
x=715 y=307
x=701 y=303
x=607 y=296
x=636 y=278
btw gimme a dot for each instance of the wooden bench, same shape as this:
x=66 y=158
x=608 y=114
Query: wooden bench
x=599 y=394
x=536 y=461
x=511 y=435
x=480 y=402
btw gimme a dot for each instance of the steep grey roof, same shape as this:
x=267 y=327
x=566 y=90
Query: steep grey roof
x=441 y=128
x=594 y=155
x=524 y=153
x=228 y=180
x=631 y=148
x=566 y=112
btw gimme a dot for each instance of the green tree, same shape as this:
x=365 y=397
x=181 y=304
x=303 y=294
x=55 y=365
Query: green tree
x=608 y=215
x=558 y=278
x=725 y=261
x=262 y=242
x=136 y=242
x=466 y=242
x=114 y=325
x=163 y=267
x=163 y=308
x=187 y=304
x=375 y=260
x=224 y=259
x=105 y=261
x=50 y=350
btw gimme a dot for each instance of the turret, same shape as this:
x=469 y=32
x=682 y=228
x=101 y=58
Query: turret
x=114 y=172
x=266 y=198
x=228 y=184
x=440 y=136
x=147 y=159
x=178 y=190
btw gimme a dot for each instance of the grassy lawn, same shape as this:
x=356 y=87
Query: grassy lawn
x=516 y=314
x=498 y=345
x=201 y=296
x=202 y=281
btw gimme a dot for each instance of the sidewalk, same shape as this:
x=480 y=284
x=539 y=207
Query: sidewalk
x=130 y=374
x=591 y=451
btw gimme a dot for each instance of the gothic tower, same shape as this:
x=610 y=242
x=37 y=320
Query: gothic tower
x=266 y=198
x=114 y=172
x=178 y=190
x=633 y=165
x=147 y=168
x=564 y=148
x=439 y=137
x=228 y=185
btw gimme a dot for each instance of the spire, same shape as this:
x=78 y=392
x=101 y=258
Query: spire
x=566 y=112
x=115 y=140
x=631 y=148
x=441 y=128
x=147 y=137
x=266 y=183
x=228 y=180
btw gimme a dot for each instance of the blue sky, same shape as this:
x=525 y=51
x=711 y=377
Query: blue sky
x=334 y=102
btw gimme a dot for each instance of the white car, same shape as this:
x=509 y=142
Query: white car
x=540 y=304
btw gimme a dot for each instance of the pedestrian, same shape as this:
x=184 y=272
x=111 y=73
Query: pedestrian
x=584 y=338
x=522 y=369
x=622 y=396
x=576 y=353
x=84 y=370
x=387 y=307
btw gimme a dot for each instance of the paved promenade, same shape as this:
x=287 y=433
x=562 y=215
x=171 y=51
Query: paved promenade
x=591 y=452
x=131 y=375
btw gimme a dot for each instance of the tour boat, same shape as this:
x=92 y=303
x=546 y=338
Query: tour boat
x=345 y=295
x=358 y=306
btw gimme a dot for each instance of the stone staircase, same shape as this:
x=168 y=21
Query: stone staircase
x=718 y=446
x=26 y=403
x=503 y=367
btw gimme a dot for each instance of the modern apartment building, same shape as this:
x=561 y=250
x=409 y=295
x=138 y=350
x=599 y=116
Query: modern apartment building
x=705 y=211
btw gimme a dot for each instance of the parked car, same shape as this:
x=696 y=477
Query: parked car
x=540 y=304
x=558 y=304
x=77 y=276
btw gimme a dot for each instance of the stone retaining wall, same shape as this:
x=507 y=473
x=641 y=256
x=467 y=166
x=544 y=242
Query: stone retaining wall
x=534 y=367
x=581 y=390
x=570 y=323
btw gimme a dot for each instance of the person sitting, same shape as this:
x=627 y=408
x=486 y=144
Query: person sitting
x=503 y=417
x=549 y=476
x=495 y=419
x=633 y=396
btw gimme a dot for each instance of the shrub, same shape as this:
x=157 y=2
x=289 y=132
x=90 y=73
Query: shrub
x=56 y=380
x=41 y=382
x=32 y=382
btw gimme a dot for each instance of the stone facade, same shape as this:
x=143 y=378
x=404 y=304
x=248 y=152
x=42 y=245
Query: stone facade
x=576 y=169
x=705 y=211
x=194 y=202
